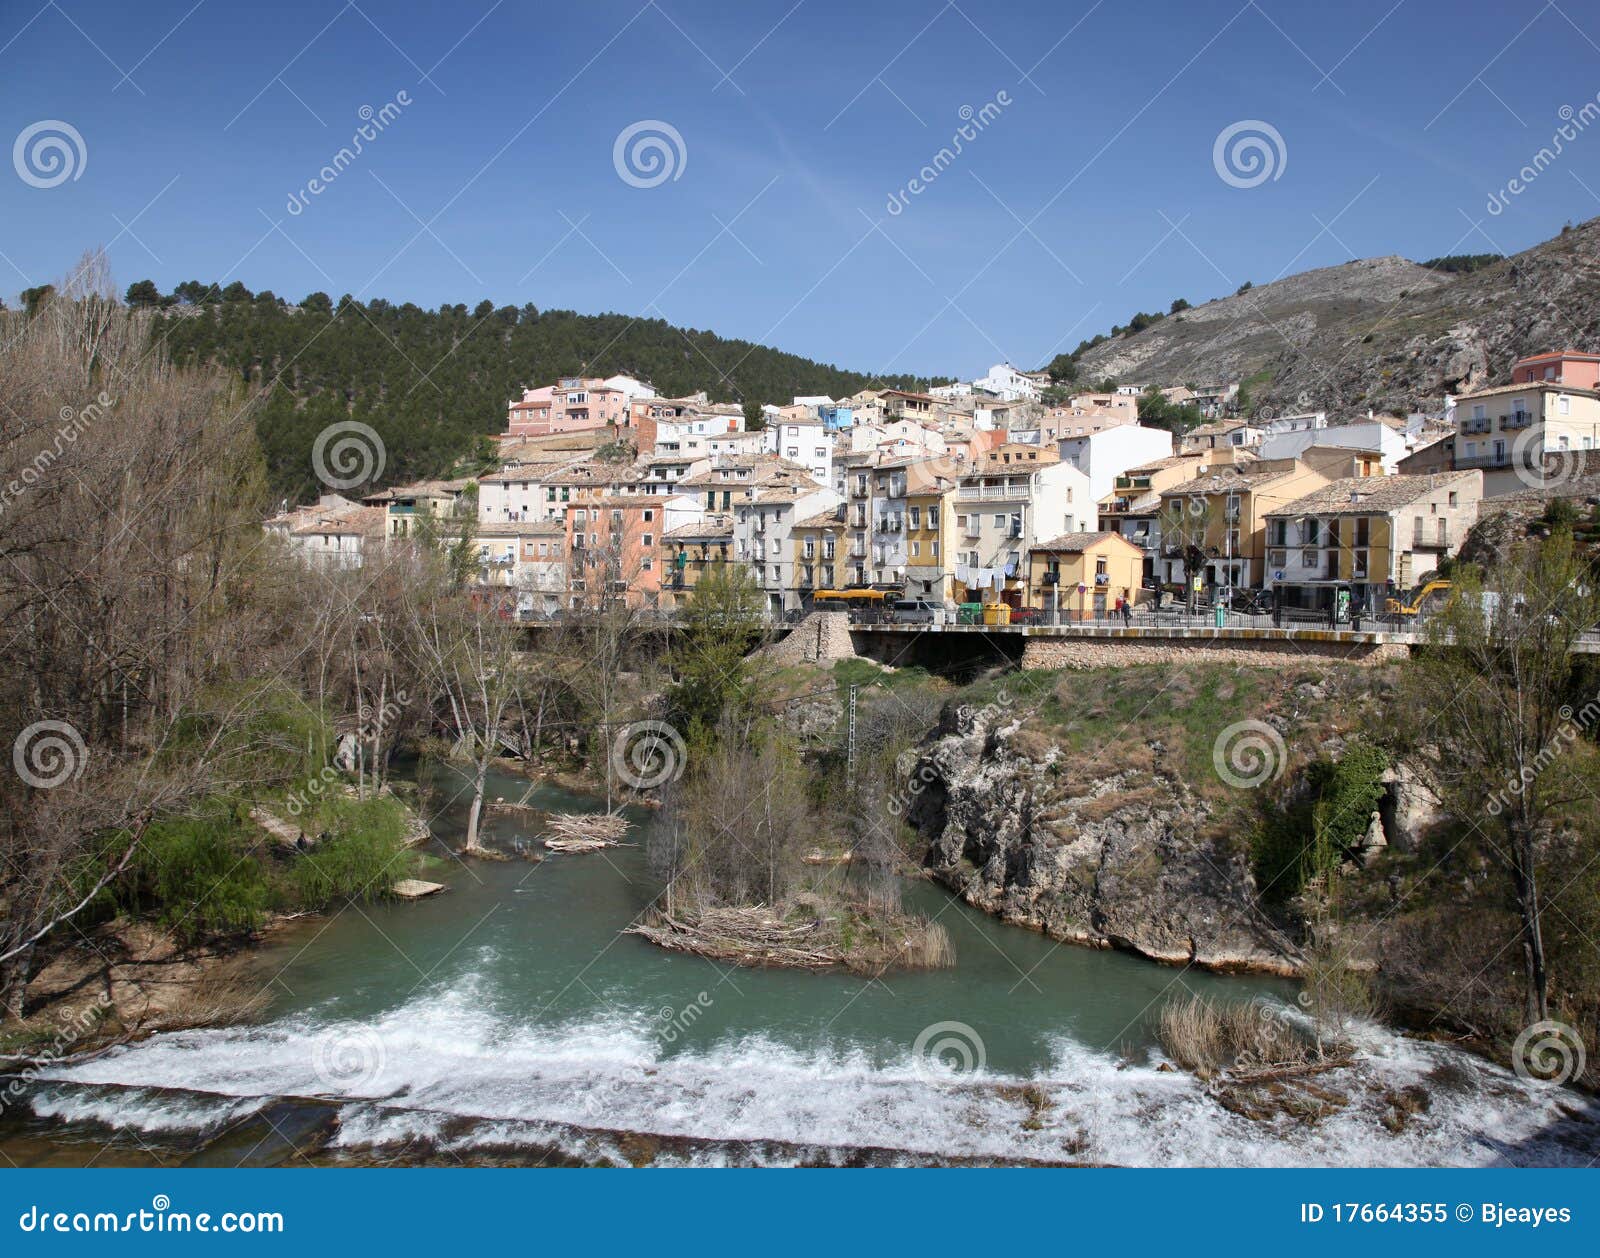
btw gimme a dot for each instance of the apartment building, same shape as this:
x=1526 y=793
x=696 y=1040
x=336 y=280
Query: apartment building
x=1104 y=455
x=818 y=544
x=612 y=547
x=762 y=535
x=335 y=533
x=1506 y=432
x=1218 y=520
x=572 y=404
x=689 y=551
x=1080 y=576
x=1370 y=535
x=1013 y=497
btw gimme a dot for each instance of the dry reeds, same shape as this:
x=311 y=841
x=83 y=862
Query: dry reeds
x=1208 y=1037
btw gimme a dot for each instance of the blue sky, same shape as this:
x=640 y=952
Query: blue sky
x=1091 y=195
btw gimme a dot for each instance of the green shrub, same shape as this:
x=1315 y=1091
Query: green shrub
x=360 y=858
x=199 y=878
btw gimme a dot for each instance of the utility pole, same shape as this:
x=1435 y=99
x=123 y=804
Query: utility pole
x=850 y=743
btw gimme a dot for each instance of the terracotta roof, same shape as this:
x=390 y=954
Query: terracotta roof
x=1373 y=493
x=317 y=521
x=1073 y=543
x=713 y=526
x=522 y=528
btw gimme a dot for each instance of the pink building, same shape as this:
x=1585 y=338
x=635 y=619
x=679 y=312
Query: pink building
x=572 y=404
x=1563 y=366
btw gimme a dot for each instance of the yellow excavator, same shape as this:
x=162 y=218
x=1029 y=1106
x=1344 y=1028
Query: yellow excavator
x=1419 y=598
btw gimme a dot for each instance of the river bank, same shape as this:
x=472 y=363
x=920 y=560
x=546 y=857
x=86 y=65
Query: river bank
x=511 y=1022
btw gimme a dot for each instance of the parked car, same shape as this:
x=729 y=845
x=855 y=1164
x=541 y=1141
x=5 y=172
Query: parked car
x=914 y=611
x=1024 y=615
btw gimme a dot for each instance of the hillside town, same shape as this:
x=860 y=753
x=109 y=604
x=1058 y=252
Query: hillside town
x=1009 y=499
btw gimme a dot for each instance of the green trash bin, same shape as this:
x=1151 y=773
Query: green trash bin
x=1220 y=616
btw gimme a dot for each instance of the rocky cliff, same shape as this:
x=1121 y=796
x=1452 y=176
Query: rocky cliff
x=1134 y=860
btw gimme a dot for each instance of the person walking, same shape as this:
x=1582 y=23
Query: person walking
x=1125 y=604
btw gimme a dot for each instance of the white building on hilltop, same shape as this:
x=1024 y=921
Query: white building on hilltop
x=1007 y=382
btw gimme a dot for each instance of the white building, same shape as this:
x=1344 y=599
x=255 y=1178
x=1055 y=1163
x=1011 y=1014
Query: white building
x=761 y=535
x=1005 y=381
x=1105 y=455
x=336 y=533
x=805 y=442
x=1372 y=435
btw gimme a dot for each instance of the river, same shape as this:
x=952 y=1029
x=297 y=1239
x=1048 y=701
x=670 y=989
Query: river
x=510 y=1019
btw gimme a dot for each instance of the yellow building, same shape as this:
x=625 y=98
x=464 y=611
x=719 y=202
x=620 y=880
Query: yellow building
x=818 y=545
x=688 y=551
x=930 y=532
x=1372 y=536
x=1222 y=516
x=1080 y=576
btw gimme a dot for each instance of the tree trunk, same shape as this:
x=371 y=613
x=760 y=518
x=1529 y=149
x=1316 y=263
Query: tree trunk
x=475 y=813
x=14 y=984
x=1526 y=882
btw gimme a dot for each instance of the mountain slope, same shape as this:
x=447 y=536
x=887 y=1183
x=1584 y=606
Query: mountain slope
x=1382 y=333
x=434 y=383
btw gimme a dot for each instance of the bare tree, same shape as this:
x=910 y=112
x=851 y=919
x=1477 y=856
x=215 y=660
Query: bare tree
x=1491 y=692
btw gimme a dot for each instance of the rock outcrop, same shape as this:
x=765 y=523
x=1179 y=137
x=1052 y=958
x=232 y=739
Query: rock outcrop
x=1134 y=860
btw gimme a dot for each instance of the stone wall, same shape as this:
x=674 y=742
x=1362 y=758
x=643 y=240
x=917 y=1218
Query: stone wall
x=1039 y=653
x=821 y=638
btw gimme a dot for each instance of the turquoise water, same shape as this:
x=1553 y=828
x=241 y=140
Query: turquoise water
x=512 y=1012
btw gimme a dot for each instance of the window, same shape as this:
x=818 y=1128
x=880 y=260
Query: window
x=916 y=550
x=1455 y=498
x=999 y=521
x=649 y=516
x=915 y=515
x=1564 y=405
x=1308 y=559
x=648 y=539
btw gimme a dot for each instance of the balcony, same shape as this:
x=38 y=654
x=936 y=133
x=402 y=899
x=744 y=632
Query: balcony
x=1517 y=419
x=992 y=493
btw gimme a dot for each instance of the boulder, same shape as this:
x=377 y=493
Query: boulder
x=416 y=889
